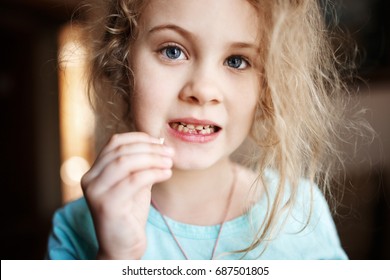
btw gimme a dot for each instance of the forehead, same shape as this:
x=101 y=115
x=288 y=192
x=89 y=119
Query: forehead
x=231 y=19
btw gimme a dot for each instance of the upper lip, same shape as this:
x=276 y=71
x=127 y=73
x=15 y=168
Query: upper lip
x=195 y=121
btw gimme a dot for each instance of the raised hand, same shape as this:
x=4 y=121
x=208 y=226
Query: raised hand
x=118 y=191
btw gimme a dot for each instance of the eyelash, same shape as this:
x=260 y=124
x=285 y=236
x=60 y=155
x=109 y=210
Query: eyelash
x=163 y=50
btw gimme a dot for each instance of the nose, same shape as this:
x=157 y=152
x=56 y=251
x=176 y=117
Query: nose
x=202 y=87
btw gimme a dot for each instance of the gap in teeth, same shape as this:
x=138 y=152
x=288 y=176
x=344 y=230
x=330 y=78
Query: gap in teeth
x=192 y=128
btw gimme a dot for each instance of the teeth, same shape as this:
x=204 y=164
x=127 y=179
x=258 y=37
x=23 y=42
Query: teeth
x=193 y=129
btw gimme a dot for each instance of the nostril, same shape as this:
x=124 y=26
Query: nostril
x=193 y=99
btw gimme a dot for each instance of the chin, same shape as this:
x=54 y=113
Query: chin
x=188 y=164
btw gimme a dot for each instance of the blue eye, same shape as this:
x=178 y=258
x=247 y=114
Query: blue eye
x=237 y=62
x=173 y=52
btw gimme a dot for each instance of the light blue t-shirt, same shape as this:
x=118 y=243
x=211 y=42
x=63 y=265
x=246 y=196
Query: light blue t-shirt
x=73 y=235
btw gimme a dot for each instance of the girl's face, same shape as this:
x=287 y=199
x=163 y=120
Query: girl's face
x=196 y=82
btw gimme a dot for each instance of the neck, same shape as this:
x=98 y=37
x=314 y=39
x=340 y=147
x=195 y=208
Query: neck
x=192 y=196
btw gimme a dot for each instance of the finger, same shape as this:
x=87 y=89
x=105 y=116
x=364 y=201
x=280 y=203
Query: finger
x=128 y=150
x=132 y=189
x=137 y=187
x=127 y=138
x=124 y=166
x=124 y=199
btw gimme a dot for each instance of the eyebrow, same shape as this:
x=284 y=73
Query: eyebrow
x=173 y=27
x=243 y=45
x=185 y=33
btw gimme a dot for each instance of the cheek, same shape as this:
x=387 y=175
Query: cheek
x=150 y=105
x=147 y=108
x=143 y=104
x=247 y=117
x=250 y=113
x=245 y=102
x=151 y=86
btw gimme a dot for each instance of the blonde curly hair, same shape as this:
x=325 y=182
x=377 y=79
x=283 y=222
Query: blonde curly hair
x=300 y=109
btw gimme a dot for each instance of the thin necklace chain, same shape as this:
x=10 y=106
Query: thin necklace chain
x=220 y=228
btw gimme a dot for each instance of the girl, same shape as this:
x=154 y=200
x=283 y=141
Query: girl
x=188 y=82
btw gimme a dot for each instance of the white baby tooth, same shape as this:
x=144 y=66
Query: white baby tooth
x=180 y=128
x=161 y=140
x=199 y=127
x=185 y=129
x=190 y=126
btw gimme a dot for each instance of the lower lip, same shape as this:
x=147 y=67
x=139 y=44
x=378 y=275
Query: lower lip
x=193 y=138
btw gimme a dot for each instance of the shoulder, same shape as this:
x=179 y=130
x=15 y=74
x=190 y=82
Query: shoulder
x=307 y=229
x=78 y=206
x=73 y=235
x=76 y=215
x=308 y=197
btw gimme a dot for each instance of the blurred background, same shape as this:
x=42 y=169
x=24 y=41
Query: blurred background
x=47 y=131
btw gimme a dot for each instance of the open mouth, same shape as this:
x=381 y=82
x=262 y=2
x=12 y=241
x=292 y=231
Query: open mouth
x=194 y=128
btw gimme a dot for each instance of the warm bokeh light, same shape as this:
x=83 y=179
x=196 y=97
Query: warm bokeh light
x=76 y=117
x=73 y=169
